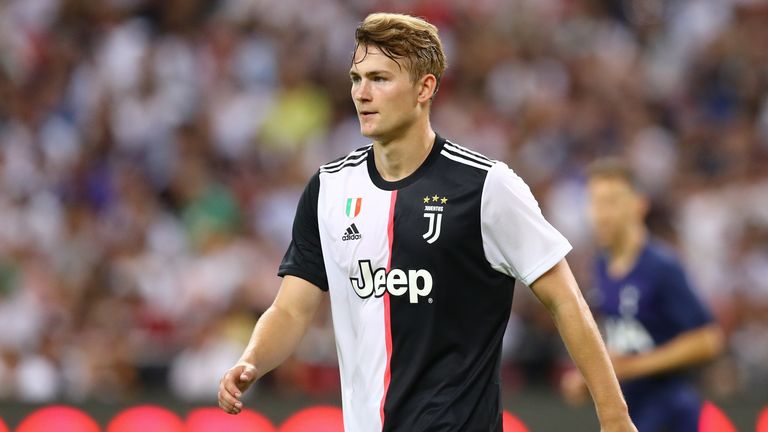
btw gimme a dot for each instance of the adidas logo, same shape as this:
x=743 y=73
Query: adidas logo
x=351 y=234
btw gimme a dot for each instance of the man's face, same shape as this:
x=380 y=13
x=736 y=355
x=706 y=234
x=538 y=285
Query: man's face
x=385 y=98
x=613 y=206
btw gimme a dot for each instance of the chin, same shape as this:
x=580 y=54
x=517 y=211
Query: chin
x=370 y=134
x=366 y=132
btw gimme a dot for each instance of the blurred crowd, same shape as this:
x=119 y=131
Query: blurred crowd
x=152 y=154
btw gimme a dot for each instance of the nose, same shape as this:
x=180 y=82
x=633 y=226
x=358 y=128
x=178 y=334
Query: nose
x=361 y=91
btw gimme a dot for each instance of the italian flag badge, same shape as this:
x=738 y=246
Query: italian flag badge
x=353 y=206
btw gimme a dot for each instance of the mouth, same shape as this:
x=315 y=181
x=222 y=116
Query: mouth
x=367 y=114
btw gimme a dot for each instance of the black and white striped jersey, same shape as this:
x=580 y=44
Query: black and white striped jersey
x=420 y=273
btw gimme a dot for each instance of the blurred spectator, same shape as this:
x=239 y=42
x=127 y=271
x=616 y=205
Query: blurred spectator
x=152 y=153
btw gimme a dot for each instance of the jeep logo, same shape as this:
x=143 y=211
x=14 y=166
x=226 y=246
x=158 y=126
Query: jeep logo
x=417 y=283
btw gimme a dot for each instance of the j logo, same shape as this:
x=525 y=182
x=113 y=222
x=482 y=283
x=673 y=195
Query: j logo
x=435 y=222
x=433 y=211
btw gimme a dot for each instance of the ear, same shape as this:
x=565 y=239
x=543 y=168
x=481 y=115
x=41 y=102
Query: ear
x=426 y=86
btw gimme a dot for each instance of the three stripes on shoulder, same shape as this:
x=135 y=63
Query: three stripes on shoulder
x=450 y=150
x=466 y=156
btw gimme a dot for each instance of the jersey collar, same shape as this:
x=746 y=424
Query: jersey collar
x=377 y=180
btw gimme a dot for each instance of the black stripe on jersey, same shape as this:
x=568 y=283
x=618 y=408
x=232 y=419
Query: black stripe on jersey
x=354 y=228
x=446 y=348
x=459 y=151
x=351 y=163
x=349 y=231
x=343 y=159
x=466 y=150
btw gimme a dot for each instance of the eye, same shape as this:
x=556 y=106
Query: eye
x=379 y=79
x=355 y=79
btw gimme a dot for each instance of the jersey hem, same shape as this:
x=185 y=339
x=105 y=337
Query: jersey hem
x=301 y=274
x=546 y=264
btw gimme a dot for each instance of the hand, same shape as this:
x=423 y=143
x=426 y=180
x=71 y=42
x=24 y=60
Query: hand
x=231 y=387
x=573 y=388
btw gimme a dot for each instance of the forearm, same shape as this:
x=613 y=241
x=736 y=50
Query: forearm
x=690 y=348
x=558 y=291
x=579 y=332
x=274 y=338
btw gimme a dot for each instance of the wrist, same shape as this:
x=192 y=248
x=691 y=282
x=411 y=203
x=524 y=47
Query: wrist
x=617 y=413
x=247 y=358
x=608 y=420
x=610 y=404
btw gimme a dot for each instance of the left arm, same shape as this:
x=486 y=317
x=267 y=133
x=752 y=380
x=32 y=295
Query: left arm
x=688 y=348
x=520 y=243
x=558 y=291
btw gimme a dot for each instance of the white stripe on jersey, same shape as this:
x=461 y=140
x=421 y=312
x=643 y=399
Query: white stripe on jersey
x=466 y=150
x=469 y=154
x=464 y=160
x=359 y=324
x=349 y=158
x=351 y=162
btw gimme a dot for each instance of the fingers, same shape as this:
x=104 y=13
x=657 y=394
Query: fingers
x=232 y=386
x=229 y=395
x=228 y=408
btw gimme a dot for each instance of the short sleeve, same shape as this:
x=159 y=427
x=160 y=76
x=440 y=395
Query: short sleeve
x=517 y=240
x=304 y=257
x=682 y=307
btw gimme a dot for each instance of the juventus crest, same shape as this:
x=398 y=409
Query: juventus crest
x=433 y=212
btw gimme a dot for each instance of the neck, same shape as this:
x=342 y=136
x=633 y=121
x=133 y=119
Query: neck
x=625 y=251
x=398 y=158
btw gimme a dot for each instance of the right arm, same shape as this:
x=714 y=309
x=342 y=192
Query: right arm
x=274 y=338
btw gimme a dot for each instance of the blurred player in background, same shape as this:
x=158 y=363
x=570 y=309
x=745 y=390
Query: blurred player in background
x=656 y=327
x=418 y=242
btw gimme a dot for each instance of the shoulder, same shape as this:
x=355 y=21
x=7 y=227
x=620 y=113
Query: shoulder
x=467 y=157
x=353 y=158
x=493 y=178
x=495 y=171
x=502 y=182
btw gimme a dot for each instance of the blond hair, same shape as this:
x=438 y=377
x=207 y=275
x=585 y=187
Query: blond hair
x=404 y=37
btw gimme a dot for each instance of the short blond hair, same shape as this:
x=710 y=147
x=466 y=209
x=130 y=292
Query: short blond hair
x=405 y=37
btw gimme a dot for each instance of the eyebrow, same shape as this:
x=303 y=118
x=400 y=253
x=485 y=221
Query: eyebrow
x=370 y=73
